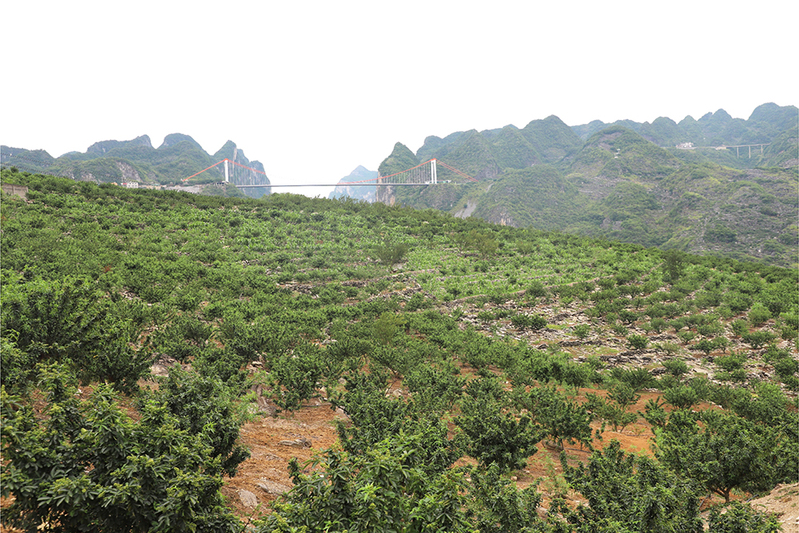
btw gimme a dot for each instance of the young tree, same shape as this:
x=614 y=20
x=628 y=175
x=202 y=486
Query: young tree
x=724 y=453
x=382 y=489
x=629 y=493
x=673 y=265
x=498 y=506
x=496 y=435
x=562 y=418
x=391 y=253
x=86 y=466
x=296 y=376
x=637 y=342
x=676 y=367
x=739 y=517
x=199 y=403
x=67 y=321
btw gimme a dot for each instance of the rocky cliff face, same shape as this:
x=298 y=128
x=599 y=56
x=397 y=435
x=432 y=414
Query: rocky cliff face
x=242 y=171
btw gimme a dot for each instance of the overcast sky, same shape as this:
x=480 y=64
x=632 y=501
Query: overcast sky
x=313 y=89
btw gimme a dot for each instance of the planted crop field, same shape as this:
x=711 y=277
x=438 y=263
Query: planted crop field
x=181 y=361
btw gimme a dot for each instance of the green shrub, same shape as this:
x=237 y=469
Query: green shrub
x=581 y=331
x=731 y=362
x=627 y=492
x=619 y=329
x=658 y=324
x=391 y=253
x=637 y=378
x=536 y=289
x=531 y=322
x=296 y=376
x=103 y=471
x=676 y=367
x=758 y=314
x=385 y=488
x=758 y=339
x=710 y=329
x=740 y=327
x=495 y=436
x=739 y=517
x=705 y=345
x=682 y=397
x=562 y=418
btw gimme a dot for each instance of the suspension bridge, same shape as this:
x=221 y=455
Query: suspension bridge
x=422 y=175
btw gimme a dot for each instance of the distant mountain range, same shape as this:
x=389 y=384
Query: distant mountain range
x=718 y=184
x=360 y=192
x=731 y=187
x=137 y=162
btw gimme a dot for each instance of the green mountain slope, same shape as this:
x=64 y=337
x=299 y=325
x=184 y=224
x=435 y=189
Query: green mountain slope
x=546 y=197
x=620 y=185
x=401 y=158
x=764 y=125
x=552 y=138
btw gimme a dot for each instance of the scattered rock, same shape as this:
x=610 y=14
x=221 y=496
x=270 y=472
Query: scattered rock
x=302 y=442
x=248 y=499
x=161 y=367
x=271 y=487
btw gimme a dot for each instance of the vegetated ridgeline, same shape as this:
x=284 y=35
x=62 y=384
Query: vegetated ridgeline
x=714 y=185
x=456 y=357
x=136 y=163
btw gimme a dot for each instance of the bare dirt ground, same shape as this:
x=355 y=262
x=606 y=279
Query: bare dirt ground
x=265 y=473
x=784 y=502
x=274 y=441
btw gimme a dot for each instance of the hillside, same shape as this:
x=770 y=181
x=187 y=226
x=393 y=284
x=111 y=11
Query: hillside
x=138 y=162
x=180 y=354
x=617 y=182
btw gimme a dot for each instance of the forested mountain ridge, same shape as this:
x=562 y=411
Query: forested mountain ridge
x=765 y=123
x=461 y=376
x=618 y=183
x=137 y=161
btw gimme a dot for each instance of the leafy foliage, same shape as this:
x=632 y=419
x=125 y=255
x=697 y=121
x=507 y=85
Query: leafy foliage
x=497 y=436
x=727 y=452
x=382 y=489
x=88 y=466
x=562 y=418
x=391 y=253
x=67 y=322
x=741 y=518
x=629 y=493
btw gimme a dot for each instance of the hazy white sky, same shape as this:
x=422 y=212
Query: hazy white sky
x=313 y=89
